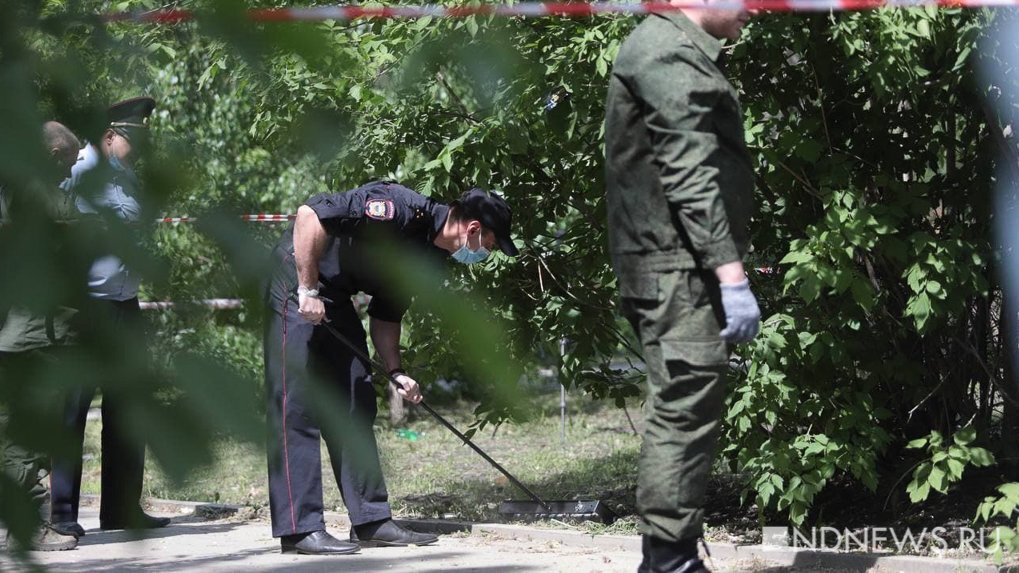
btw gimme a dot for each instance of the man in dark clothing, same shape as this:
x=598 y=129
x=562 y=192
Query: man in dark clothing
x=334 y=251
x=679 y=183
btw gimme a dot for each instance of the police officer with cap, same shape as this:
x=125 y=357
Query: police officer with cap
x=114 y=290
x=333 y=251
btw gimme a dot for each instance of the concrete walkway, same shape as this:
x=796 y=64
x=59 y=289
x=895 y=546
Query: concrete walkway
x=189 y=544
x=231 y=543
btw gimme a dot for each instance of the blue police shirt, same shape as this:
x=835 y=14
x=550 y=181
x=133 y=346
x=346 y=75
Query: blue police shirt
x=109 y=278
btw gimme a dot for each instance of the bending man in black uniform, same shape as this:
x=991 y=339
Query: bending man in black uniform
x=333 y=251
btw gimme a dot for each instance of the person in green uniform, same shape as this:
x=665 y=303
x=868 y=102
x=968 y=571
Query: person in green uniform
x=28 y=339
x=679 y=183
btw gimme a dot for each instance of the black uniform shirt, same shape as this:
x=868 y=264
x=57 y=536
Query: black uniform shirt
x=358 y=221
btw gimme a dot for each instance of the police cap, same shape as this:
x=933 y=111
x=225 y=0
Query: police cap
x=494 y=214
x=130 y=118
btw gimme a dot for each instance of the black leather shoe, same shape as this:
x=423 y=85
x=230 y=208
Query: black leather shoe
x=388 y=534
x=68 y=528
x=316 y=543
x=140 y=520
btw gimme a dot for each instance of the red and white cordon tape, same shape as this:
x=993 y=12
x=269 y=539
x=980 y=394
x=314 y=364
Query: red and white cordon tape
x=236 y=303
x=544 y=9
x=213 y=303
x=258 y=218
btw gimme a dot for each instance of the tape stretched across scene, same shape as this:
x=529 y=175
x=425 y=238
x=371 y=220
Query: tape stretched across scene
x=213 y=303
x=236 y=303
x=544 y=9
x=256 y=218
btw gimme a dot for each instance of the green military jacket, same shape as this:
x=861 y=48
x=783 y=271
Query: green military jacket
x=679 y=178
x=20 y=329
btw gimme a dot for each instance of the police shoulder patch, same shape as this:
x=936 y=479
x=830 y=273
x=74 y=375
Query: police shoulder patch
x=381 y=209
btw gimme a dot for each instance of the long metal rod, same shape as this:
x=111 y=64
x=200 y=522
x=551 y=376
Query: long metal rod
x=392 y=379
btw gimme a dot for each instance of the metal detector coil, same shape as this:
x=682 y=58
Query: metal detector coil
x=579 y=510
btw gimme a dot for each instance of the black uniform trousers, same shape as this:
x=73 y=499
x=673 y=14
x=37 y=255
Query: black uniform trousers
x=123 y=459
x=318 y=390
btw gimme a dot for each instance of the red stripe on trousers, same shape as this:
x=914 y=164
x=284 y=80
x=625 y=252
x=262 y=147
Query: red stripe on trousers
x=286 y=452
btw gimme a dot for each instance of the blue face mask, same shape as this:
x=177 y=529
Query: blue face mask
x=120 y=167
x=468 y=257
x=116 y=164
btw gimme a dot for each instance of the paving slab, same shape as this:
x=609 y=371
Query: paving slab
x=222 y=546
x=192 y=543
x=221 y=539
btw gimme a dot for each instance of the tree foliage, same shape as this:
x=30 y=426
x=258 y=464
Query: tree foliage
x=877 y=156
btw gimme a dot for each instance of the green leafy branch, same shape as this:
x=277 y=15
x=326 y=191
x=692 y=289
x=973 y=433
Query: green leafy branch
x=1006 y=539
x=946 y=463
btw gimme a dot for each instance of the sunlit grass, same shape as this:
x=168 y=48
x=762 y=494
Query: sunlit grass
x=436 y=475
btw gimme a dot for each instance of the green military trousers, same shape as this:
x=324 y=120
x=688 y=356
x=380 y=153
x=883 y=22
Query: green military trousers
x=23 y=469
x=23 y=473
x=678 y=316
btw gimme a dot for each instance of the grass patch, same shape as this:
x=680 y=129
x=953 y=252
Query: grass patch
x=438 y=476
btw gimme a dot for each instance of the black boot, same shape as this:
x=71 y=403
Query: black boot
x=316 y=543
x=68 y=528
x=136 y=520
x=645 y=550
x=672 y=557
x=387 y=533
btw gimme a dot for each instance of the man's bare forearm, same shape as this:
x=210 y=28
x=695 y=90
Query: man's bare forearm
x=386 y=339
x=310 y=240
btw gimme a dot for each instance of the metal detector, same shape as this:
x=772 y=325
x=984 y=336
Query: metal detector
x=577 y=510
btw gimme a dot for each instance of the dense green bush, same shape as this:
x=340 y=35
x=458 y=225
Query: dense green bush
x=877 y=156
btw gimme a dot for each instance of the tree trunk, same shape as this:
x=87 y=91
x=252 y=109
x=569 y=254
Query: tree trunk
x=1010 y=419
